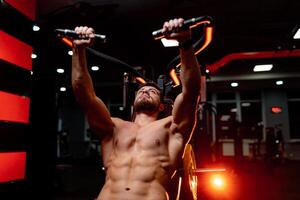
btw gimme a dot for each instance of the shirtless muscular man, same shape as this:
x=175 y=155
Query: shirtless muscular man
x=140 y=156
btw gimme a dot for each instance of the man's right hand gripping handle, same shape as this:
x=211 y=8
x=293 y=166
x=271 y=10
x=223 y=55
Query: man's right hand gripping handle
x=86 y=35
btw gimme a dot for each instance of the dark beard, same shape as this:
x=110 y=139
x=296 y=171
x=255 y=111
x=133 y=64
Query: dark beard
x=145 y=106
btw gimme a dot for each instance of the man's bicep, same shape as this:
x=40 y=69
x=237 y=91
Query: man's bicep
x=99 y=118
x=176 y=112
x=184 y=112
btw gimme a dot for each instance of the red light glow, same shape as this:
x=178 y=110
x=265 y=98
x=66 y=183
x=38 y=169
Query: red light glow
x=15 y=51
x=140 y=80
x=12 y=166
x=14 y=108
x=276 y=109
x=218 y=182
x=26 y=7
x=251 y=55
x=67 y=41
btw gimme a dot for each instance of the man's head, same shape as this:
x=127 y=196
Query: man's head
x=149 y=98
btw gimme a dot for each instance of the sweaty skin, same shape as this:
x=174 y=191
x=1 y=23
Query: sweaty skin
x=139 y=156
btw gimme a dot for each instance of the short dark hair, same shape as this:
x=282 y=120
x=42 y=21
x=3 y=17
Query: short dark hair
x=153 y=84
x=156 y=86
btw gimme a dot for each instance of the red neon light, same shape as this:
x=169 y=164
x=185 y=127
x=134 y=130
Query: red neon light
x=140 y=80
x=14 y=108
x=174 y=77
x=12 y=166
x=209 y=36
x=276 y=109
x=26 y=7
x=15 y=51
x=252 y=55
x=208 y=39
x=67 y=41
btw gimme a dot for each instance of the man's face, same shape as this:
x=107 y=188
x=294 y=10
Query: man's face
x=147 y=99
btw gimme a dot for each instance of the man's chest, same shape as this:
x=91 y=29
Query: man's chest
x=152 y=136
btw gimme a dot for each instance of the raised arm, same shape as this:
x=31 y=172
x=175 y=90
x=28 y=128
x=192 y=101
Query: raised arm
x=185 y=105
x=98 y=116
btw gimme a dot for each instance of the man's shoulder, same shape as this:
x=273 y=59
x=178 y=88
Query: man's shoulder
x=168 y=118
x=119 y=122
x=165 y=122
x=116 y=119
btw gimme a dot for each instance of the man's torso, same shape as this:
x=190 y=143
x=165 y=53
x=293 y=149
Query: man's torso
x=140 y=160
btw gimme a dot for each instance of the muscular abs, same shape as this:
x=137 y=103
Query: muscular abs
x=138 y=161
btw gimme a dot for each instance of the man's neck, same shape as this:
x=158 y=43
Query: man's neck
x=144 y=118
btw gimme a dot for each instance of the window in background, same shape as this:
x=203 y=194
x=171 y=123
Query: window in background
x=226 y=96
x=226 y=120
x=251 y=125
x=250 y=95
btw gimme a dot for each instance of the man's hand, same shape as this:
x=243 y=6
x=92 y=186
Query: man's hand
x=87 y=34
x=173 y=30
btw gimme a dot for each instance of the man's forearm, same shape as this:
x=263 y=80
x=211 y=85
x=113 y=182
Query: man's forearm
x=190 y=71
x=81 y=80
